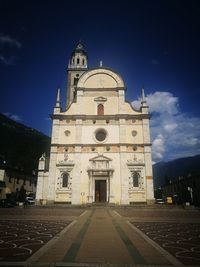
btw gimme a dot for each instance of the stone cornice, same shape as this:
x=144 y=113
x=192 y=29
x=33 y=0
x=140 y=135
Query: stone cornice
x=75 y=69
x=101 y=89
x=100 y=117
x=109 y=144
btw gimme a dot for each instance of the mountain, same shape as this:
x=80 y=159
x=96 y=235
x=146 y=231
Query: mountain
x=21 y=146
x=171 y=171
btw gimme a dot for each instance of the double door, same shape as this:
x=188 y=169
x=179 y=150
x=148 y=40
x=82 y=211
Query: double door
x=100 y=191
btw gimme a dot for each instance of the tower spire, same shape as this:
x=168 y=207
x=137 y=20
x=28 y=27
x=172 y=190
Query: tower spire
x=143 y=102
x=58 y=98
x=144 y=106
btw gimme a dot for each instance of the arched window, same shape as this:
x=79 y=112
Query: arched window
x=78 y=60
x=136 y=177
x=83 y=61
x=100 y=109
x=65 y=179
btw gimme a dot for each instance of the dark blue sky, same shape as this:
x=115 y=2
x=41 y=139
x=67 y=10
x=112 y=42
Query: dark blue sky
x=150 y=43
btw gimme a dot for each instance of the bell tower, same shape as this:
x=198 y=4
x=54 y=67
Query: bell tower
x=78 y=64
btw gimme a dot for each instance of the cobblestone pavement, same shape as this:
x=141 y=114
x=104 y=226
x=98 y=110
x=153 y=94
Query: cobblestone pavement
x=182 y=240
x=21 y=239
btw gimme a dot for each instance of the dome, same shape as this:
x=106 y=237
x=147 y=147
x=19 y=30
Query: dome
x=79 y=49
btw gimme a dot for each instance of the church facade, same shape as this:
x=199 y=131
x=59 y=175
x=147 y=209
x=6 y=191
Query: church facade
x=100 y=146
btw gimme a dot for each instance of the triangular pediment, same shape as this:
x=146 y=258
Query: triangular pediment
x=100 y=158
x=100 y=99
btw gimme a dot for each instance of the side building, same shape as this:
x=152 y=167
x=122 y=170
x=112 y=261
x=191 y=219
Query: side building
x=100 y=146
x=12 y=180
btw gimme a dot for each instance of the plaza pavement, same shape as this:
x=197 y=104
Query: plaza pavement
x=102 y=236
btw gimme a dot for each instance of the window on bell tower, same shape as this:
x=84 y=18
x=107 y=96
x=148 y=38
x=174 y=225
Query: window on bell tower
x=83 y=61
x=100 y=109
x=76 y=79
x=78 y=60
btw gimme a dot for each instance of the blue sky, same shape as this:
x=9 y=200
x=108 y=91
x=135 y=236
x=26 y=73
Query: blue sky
x=154 y=44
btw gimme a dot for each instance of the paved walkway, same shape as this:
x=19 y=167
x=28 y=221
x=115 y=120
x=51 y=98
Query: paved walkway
x=103 y=236
x=100 y=236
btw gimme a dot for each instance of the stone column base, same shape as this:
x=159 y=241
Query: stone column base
x=150 y=201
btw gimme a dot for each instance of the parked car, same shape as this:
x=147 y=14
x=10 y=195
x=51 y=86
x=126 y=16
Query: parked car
x=30 y=200
x=159 y=201
x=6 y=203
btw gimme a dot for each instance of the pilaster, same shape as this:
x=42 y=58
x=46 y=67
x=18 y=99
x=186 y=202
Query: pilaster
x=52 y=174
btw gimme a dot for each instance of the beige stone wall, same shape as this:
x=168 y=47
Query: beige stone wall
x=118 y=132
x=127 y=145
x=87 y=105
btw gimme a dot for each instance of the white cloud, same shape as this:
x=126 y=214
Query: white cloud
x=174 y=134
x=7 y=40
x=13 y=116
x=158 y=143
x=170 y=127
x=160 y=102
x=136 y=104
x=8 y=60
x=8 y=46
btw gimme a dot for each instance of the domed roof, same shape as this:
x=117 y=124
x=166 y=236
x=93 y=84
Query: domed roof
x=79 y=49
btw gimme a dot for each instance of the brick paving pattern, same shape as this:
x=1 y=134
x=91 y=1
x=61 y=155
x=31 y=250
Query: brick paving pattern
x=21 y=239
x=182 y=240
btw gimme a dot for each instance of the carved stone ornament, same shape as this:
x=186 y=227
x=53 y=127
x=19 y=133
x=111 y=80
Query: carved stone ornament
x=100 y=165
x=135 y=161
x=66 y=160
x=100 y=99
x=67 y=132
x=65 y=156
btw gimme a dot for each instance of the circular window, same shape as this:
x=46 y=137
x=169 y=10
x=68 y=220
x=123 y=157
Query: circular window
x=134 y=133
x=100 y=135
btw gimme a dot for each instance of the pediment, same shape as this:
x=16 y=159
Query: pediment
x=100 y=158
x=100 y=99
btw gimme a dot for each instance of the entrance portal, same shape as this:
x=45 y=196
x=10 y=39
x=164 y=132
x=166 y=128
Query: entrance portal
x=100 y=191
